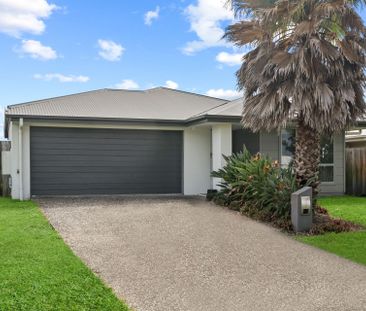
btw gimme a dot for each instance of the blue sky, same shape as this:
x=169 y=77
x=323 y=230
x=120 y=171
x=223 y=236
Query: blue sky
x=57 y=47
x=73 y=46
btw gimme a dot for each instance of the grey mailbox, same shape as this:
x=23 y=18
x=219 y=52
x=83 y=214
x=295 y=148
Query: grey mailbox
x=301 y=209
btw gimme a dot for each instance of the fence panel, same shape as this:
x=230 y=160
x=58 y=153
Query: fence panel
x=356 y=171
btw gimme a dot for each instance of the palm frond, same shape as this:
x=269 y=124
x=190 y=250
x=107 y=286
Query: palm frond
x=308 y=62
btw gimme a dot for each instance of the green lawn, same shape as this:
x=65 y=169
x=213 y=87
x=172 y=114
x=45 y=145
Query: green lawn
x=346 y=207
x=351 y=245
x=39 y=272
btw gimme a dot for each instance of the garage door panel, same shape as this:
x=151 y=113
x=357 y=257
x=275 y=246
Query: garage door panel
x=107 y=191
x=104 y=146
x=105 y=141
x=95 y=161
x=94 y=169
x=131 y=158
x=110 y=188
x=91 y=172
x=97 y=151
x=82 y=163
x=95 y=185
x=107 y=134
x=101 y=177
x=167 y=153
x=131 y=137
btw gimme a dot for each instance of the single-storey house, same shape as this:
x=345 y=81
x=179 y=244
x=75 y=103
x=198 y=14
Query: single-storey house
x=156 y=141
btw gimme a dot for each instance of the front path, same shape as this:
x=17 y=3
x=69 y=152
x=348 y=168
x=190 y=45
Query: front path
x=166 y=254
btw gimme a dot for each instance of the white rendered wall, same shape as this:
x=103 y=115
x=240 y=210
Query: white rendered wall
x=14 y=165
x=197 y=162
x=221 y=145
x=14 y=169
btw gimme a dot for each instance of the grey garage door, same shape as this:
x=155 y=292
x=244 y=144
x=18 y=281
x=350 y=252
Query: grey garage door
x=103 y=161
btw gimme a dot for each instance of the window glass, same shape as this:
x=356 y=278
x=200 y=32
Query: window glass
x=326 y=151
x=287 y=146
x=326 y=173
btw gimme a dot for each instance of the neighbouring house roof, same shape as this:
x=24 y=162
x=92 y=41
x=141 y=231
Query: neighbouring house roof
x=153 y=104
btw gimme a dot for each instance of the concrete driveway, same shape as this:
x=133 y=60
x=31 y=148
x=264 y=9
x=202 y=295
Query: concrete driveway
x=186 y=254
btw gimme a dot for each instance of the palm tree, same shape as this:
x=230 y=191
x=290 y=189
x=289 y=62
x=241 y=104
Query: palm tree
x=306 y=67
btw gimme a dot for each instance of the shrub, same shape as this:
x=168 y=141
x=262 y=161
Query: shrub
x=257 y=186
x=333 y=225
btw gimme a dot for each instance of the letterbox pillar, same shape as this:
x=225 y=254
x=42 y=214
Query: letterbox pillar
x=301 y=209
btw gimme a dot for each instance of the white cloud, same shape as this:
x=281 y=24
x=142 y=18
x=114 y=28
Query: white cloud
x=127 y=85
x=150 y=16
x=221 y=93
x=171 y=84
x=61 y=78
x=229 y=59
x=205 y=19
x=110 y=50
x=24 y=16
x=36 y=50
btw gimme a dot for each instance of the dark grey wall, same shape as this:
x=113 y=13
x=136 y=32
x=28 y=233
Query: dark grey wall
x=245 y=137
x=103 y=161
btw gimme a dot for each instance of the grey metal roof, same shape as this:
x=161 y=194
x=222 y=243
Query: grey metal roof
x=233 y=108
x=153 y=104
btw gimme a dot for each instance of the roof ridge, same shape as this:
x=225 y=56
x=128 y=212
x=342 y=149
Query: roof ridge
x=236 y=99
x=205 y=111
x=233 y=102
x=124 y=90
x=186 y=92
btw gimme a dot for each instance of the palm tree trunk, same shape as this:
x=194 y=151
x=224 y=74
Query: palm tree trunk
x=307 y=157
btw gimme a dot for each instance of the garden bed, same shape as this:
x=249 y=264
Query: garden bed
x=261 y=189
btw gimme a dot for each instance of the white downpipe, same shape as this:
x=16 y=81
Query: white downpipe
x=20 y=157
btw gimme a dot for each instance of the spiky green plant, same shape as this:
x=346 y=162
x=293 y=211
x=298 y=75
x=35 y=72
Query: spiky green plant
x=257 y=183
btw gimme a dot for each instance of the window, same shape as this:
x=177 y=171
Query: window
x=287 y=146
x=326 y=167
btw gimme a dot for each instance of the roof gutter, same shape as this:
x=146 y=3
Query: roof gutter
x=135 y=121
x=213 y=118
x=97 y=120
x=158 y=122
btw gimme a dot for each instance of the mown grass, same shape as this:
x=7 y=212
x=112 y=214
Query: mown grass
x=38 y=271
x=350 y=245
x=346 y=207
